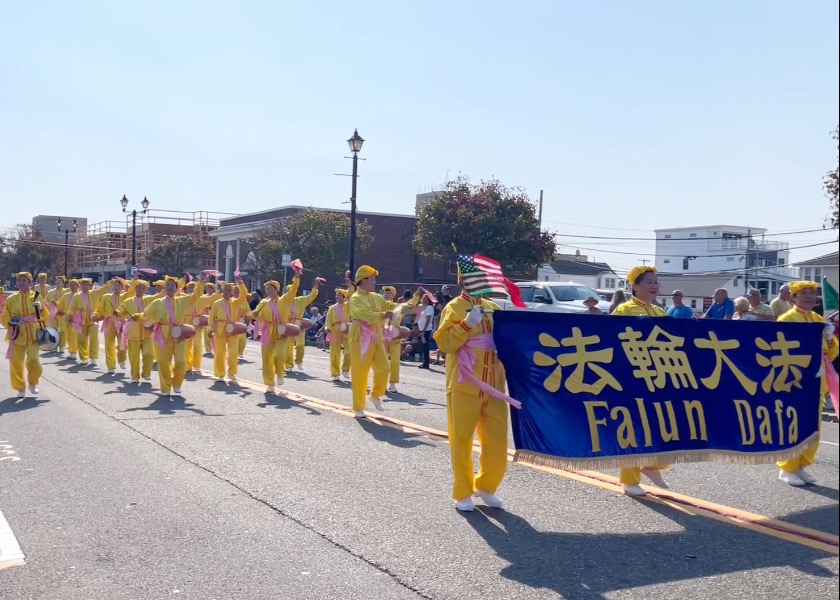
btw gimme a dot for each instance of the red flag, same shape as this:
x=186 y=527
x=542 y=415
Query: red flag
x=296 y=265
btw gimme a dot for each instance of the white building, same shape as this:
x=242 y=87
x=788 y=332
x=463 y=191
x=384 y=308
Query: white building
x=730 y=250
x=578 y=269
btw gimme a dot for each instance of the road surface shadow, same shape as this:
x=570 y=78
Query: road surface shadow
x=588 y=566
x=229 y=389
x=282 y=402
x=165 y=405
x=402 y=398
x=15 y=404
x=130 y=389
x=392 y=436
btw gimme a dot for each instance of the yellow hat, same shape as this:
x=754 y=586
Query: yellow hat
x=638 y=271
x=76 y=281
x=341 y=292
x=272 y=283
x=209 y=284
x=87 y=280
x=61 y=277
x=42 y=275
x=364 y=272
x=141 y=283
x=227 y=285
x=390 y=288
x=24 y=274
x=167 y=279
x=160 y=282
x=798 y=286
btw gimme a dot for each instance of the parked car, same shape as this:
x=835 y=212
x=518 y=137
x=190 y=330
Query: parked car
x=554 y=296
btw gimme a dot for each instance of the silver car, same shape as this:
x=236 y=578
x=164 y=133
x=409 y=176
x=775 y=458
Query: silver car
x=554 y=296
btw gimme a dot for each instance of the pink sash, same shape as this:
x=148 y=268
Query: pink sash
x=158 y=335
x=113 y=321
x=267 y=329
x=367 y=335
x=23 y=320
x=466 y=364
x=127 y=326
x=79 y=318
x=833 y=382
x=52 y=306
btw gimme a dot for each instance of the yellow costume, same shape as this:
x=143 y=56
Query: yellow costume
x=164 y=313
x=107 y=311
x=297 y=345
x=62 y=307
x=202 y=334
x=337 y=322
x=830 y=349
x=23 y=348
x=56 y=318
x=82 y=316
x=469 y=409
x=636 y=308
x=367 y=348
x=270 y=316
x=222 y=313
x=137 y=338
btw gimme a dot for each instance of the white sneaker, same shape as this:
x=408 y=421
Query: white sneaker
x=232 y=377
x=33 y=389
x=791 y=478
x=177 y=391
x=377 y=403
x=93 y=361
x=299 y=367
x=135 y=381
x=220 y=378
x=392 y=388
x=60 y=352
x=197 y=371
x=84 y=363
x=360 y=414
x=465 y=505
x=806 y=477
x=271 y=390
x=112 y=371
x=489 y=499
x=336 y=378
x=147 y=379
x=122 y=366
x=280 y=381
x=21 y=394
x=346 y=375
x=72 y=357
x=632 y=489
x=656 y=477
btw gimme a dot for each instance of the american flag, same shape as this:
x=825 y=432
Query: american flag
x=481 y=275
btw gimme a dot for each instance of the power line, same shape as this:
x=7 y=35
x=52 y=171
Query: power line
x=834 y=243
x=612 y=237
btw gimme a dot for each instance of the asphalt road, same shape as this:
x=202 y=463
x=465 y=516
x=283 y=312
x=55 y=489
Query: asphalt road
x=231 y=494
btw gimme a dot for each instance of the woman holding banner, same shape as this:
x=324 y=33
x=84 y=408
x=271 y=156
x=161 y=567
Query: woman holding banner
x=645 y=290
x=804 y=296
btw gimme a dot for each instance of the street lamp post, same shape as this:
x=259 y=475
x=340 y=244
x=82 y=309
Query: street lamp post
x=66 y=241
x=355 y=144
x=145 y=205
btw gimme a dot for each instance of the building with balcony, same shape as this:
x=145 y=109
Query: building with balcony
x=815 y=269
x=743 y=253
x=578 y=268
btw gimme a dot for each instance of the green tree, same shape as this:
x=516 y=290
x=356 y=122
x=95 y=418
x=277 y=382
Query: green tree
x=831 y=185
x=319 y=238
x=180 y=253
x=488 y=219
x=25 y=249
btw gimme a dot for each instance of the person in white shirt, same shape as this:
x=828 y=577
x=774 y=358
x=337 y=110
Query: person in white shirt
x=425 y=322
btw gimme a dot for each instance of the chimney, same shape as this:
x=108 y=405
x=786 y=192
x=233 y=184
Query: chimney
x=577 y=254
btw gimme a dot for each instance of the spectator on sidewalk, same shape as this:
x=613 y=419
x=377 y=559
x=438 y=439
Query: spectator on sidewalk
x=781 y=303
x=678 y=310
x=761 y=311
x=723 y=307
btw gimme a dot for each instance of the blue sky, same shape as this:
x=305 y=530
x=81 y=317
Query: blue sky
x=631 y=116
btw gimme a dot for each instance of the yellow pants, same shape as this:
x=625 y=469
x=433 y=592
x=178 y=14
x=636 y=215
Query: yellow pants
x=171 y=377
x=28 y=355
x=633 y=475
x=112 y=352
x=61 y=325
x=194 y=349
x=208 y=347
x=295 y=350
x=360 y=366
x=227 y=350
x=466 y=414
x=242 y=340
x=136 y=350
x=394 y=351
x=88 y=341
x=337 y=346
x=807 y=457
x=72 y=339
x=273 y=361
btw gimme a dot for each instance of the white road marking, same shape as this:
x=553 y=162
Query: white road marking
x=830 y=443
x=10 y=552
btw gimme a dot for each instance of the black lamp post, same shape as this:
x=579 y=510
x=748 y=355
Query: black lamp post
x=355 y=144
x=145 y=205
x=66 y=241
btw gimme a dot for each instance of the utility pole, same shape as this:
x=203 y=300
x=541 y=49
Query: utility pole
x=644 y=261
x=539 y=227
x=747 y=263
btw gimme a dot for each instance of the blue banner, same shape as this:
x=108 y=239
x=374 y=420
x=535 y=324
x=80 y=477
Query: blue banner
x=603 y=392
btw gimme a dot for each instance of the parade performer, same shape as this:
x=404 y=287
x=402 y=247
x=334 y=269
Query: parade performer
x=42 y=287
x=83 y=319
x=108 y=313
x=645 y=285
x=273 y=313
x=297 y=345
x=64 y=304
x=225 y=314
x=804 y=296
x=368 y=314
x=166 y=314
x=136 y=338
x=22 y=316
x=242 y=340
x=393 y=346
x=197 y=314
x=56 y=318
x=475 y=398
x=337 y=323
x=209 y=290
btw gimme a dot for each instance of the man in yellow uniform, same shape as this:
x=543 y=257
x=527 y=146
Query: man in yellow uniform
x=107 y=312
x=337 y=323
x=297 y=345
x=136 y=338
x=804 y=296
x=63 y=306
x=165 y=314
x=22 y=316
x=645 y=285
x=271 y=315
x=56 y=318
x=368 y=314
x=223 y=315
x=84 y=321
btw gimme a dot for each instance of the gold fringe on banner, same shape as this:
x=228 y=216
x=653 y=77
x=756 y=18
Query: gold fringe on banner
x=661 y=458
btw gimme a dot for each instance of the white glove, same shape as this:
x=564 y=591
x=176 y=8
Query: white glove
x=828 y=330
x=343 y=327
x=473 y=317
x=37 y=304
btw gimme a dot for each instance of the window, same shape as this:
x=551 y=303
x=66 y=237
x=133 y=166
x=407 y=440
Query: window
x=570 y=293
x=667 y=261
x=667 y=236
x=781 y=262
x=452 y=268
x=693 y=303
x=527 y=293
x=692 y=235
x=730 y=259
x=685 y=264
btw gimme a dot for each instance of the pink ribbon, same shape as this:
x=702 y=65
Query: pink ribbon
x=367 y=335
x=52 y=307
x=79 y=318
x=160 y=340
x=267 y=328
x=23 y=320
x=466 y=365
x=833 y=381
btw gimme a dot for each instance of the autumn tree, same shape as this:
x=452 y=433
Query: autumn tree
x=488 y=219
x=25 y=249
x=179 y=254
x=831 y=185
x=319 y=238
